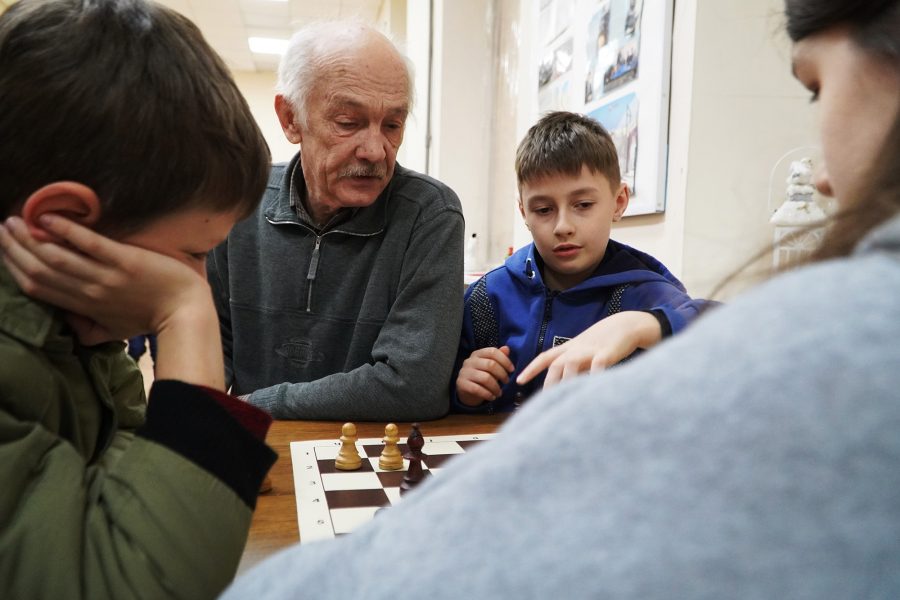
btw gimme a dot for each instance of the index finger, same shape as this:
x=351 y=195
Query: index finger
x=81 y=238
x=536 y=366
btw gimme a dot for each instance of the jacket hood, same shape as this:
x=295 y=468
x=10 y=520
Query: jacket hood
x=620 y=265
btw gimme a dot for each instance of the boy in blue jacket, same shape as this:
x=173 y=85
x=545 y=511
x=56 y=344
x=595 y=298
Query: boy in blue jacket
x=570 y=278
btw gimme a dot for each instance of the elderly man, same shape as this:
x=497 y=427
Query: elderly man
x=341 y=298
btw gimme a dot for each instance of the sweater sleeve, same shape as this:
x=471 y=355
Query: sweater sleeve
x=217 y=275
x=413 y=355
x=754 y=456
x=167 y=519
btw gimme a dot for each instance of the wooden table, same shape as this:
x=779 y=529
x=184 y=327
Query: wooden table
x=274 y=523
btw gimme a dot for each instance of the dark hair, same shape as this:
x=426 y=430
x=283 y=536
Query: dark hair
x=561 y=143
x=874 y=23
x=875 y=26
x=126 y=97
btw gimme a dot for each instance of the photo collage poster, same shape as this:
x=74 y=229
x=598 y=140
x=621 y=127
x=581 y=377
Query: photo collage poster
x=599 y=58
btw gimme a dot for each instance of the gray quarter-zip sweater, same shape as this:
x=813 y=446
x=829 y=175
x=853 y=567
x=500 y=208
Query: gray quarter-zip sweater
x=357 y=321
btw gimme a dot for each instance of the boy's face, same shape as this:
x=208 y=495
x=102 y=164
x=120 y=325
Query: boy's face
x=187 y=236
x=570 y=218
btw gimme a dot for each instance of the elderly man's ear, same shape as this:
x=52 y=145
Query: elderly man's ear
x=74 y=201
x=288 y=119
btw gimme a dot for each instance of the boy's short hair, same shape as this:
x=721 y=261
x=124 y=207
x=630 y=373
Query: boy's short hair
x=561 y=143
x=126 y=97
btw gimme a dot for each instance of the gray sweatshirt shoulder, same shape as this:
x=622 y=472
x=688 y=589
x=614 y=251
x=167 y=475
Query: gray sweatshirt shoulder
x=432 y=196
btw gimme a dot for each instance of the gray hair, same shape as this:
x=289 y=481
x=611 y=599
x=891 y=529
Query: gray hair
x=308 y=50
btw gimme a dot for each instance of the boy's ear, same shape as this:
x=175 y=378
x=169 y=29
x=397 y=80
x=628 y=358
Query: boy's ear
x=621 y=202
x=74 y=201
x=288 y=119
x=522 y=212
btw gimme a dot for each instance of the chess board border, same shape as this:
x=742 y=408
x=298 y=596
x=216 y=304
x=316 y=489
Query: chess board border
x=314 y=518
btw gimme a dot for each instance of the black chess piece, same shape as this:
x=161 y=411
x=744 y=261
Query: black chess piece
x=415 y=456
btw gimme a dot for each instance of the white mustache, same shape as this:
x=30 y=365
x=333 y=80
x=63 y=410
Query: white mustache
x=364 y=171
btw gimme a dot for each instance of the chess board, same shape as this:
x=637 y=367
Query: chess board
x=331 y=502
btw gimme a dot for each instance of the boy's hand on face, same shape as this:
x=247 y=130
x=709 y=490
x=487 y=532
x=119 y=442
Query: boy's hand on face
x=113 y=290
x=482 y=375
x=601 y=345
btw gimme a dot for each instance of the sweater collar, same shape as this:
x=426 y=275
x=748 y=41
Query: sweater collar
x=884 y=237
x=286 y=205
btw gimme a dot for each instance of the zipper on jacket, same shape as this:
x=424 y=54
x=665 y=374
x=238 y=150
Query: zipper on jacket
x=525 y=391
x=311 y=273
x=548 y=313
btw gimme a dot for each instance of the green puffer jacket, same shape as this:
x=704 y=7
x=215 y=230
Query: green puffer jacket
x=101 y=496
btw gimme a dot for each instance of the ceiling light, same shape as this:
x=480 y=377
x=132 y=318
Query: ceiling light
x=262 y=45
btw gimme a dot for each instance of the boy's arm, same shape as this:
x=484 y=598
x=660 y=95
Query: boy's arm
x=601 y=345
x=481 y=364
x=655 y=310
x=666 y=301
x=168 y=519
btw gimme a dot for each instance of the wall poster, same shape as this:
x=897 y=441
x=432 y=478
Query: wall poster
x=611 y=59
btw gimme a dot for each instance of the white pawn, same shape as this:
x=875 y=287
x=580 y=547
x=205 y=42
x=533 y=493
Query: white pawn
x=348 y=458
x=391 y=459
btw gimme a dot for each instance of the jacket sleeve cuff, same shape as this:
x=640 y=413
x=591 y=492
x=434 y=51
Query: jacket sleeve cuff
x=664 y=324
x=194 y=422
x=251 y=418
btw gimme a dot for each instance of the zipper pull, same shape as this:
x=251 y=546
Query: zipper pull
x=314 y=261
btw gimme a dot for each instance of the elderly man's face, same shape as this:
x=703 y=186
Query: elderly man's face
x=356 y=117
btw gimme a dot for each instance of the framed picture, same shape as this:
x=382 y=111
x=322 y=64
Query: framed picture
x=611 y=60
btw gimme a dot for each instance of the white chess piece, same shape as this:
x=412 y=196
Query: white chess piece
x=348 y=458
x=391 y=459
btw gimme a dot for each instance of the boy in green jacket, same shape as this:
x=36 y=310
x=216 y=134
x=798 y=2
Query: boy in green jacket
x=127 y=154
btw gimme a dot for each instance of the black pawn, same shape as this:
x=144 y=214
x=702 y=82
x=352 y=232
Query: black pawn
x=414 y=455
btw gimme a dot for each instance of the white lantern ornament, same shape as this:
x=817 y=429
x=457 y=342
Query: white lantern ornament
x=796 y=215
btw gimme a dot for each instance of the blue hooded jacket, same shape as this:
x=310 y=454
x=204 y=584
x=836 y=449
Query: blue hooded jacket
x=511 y=306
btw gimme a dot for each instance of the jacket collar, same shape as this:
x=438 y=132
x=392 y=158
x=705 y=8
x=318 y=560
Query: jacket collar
x=32 y=322
x=621 y=264
x=279 y=207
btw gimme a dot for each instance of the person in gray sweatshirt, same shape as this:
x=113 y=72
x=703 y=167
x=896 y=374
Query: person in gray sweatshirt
x=341 y=297
x=755 y=455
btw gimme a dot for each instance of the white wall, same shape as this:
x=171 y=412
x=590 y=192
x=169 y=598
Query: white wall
x=461 y=102
x=418 y=31
x=259 y=90
x=746 y=112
